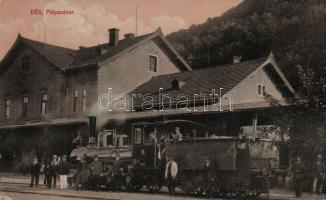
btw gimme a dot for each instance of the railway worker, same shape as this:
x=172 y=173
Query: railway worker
x=82 y=173
x=177 y=135
x=97 y=170
x=152 y=137
x=298 y=169
x=64 y=169
x=47 y=175
x=54 y=170
x=209 y=176
x=35 y=172
x=318 y=172
x=77 y=141
x=171 y=171
x=116 y=170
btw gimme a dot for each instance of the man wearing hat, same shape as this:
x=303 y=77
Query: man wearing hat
x=54 y=170
x=116 y=170
x=298 y=169
x=64 y=169
x=96 y=170
x=35 y=172
x=318 y=172
x=171 y=171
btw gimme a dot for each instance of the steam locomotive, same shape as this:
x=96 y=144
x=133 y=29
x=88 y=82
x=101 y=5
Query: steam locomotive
x=236 y=173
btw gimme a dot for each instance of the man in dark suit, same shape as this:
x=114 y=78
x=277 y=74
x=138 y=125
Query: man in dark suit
x=116 y=172
x=318 y=172
x=96 y=171
x=35 y=172
x=209 y=177
x=298 y=169
x=54 y=170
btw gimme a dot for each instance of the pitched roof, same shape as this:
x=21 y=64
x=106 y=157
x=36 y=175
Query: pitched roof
x=200 y=82
x=59 y=56
x=92 y=55
x=65 y=58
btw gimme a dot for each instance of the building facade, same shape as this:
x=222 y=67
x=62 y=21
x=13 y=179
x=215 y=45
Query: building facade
x=47 y=92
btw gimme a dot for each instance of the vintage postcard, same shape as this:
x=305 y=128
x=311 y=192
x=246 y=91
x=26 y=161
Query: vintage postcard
x=162 y=99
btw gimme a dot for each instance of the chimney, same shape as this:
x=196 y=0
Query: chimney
x=129 y=36
x=236 y=59
x=113 y=36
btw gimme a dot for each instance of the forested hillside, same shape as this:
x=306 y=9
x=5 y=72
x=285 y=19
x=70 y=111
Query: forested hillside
x=295 y=30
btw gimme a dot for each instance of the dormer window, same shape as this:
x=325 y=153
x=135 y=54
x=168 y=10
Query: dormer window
x=152 y=63
x=261 y=90
x=175 y=84
x=25 y=63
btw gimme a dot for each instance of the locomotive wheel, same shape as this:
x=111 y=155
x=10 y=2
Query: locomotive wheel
x=197 y=189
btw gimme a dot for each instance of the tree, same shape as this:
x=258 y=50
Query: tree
x=305 y=119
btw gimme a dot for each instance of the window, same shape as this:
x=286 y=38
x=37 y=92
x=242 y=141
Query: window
x=106 y=138
x=137 y=138
x=84 y=100
x=25 y=63
x=43 y=103
x=125 y=141
x=75 y=100
x=25 y=102
x=153 y=63
x=7 y=108
x=261 y=90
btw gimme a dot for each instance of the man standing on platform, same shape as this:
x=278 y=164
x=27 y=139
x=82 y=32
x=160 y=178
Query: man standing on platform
x=64 y=169
x=318 y=174
x=97 y=169
x=171 y=171
x=298 y=175
x=35 y=172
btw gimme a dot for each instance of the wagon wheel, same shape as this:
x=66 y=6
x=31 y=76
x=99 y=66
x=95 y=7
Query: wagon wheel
x=153 y=188
x=153 y=185
x=128 y=184
x=252 y=194
x=215 y=189
x=186 y=186
x=254 y=190
x=136 y=187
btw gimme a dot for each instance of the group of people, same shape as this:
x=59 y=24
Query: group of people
x=91 y=175
x=318 y=174
x=52 y=169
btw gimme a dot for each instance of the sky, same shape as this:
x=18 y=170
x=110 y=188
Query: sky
x=90 y=20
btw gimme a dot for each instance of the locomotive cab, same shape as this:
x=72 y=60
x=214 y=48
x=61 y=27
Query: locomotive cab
x=150 y=139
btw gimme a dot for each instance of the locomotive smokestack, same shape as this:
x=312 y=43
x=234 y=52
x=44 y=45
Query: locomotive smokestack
x=92 y=126
x=92 y=131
